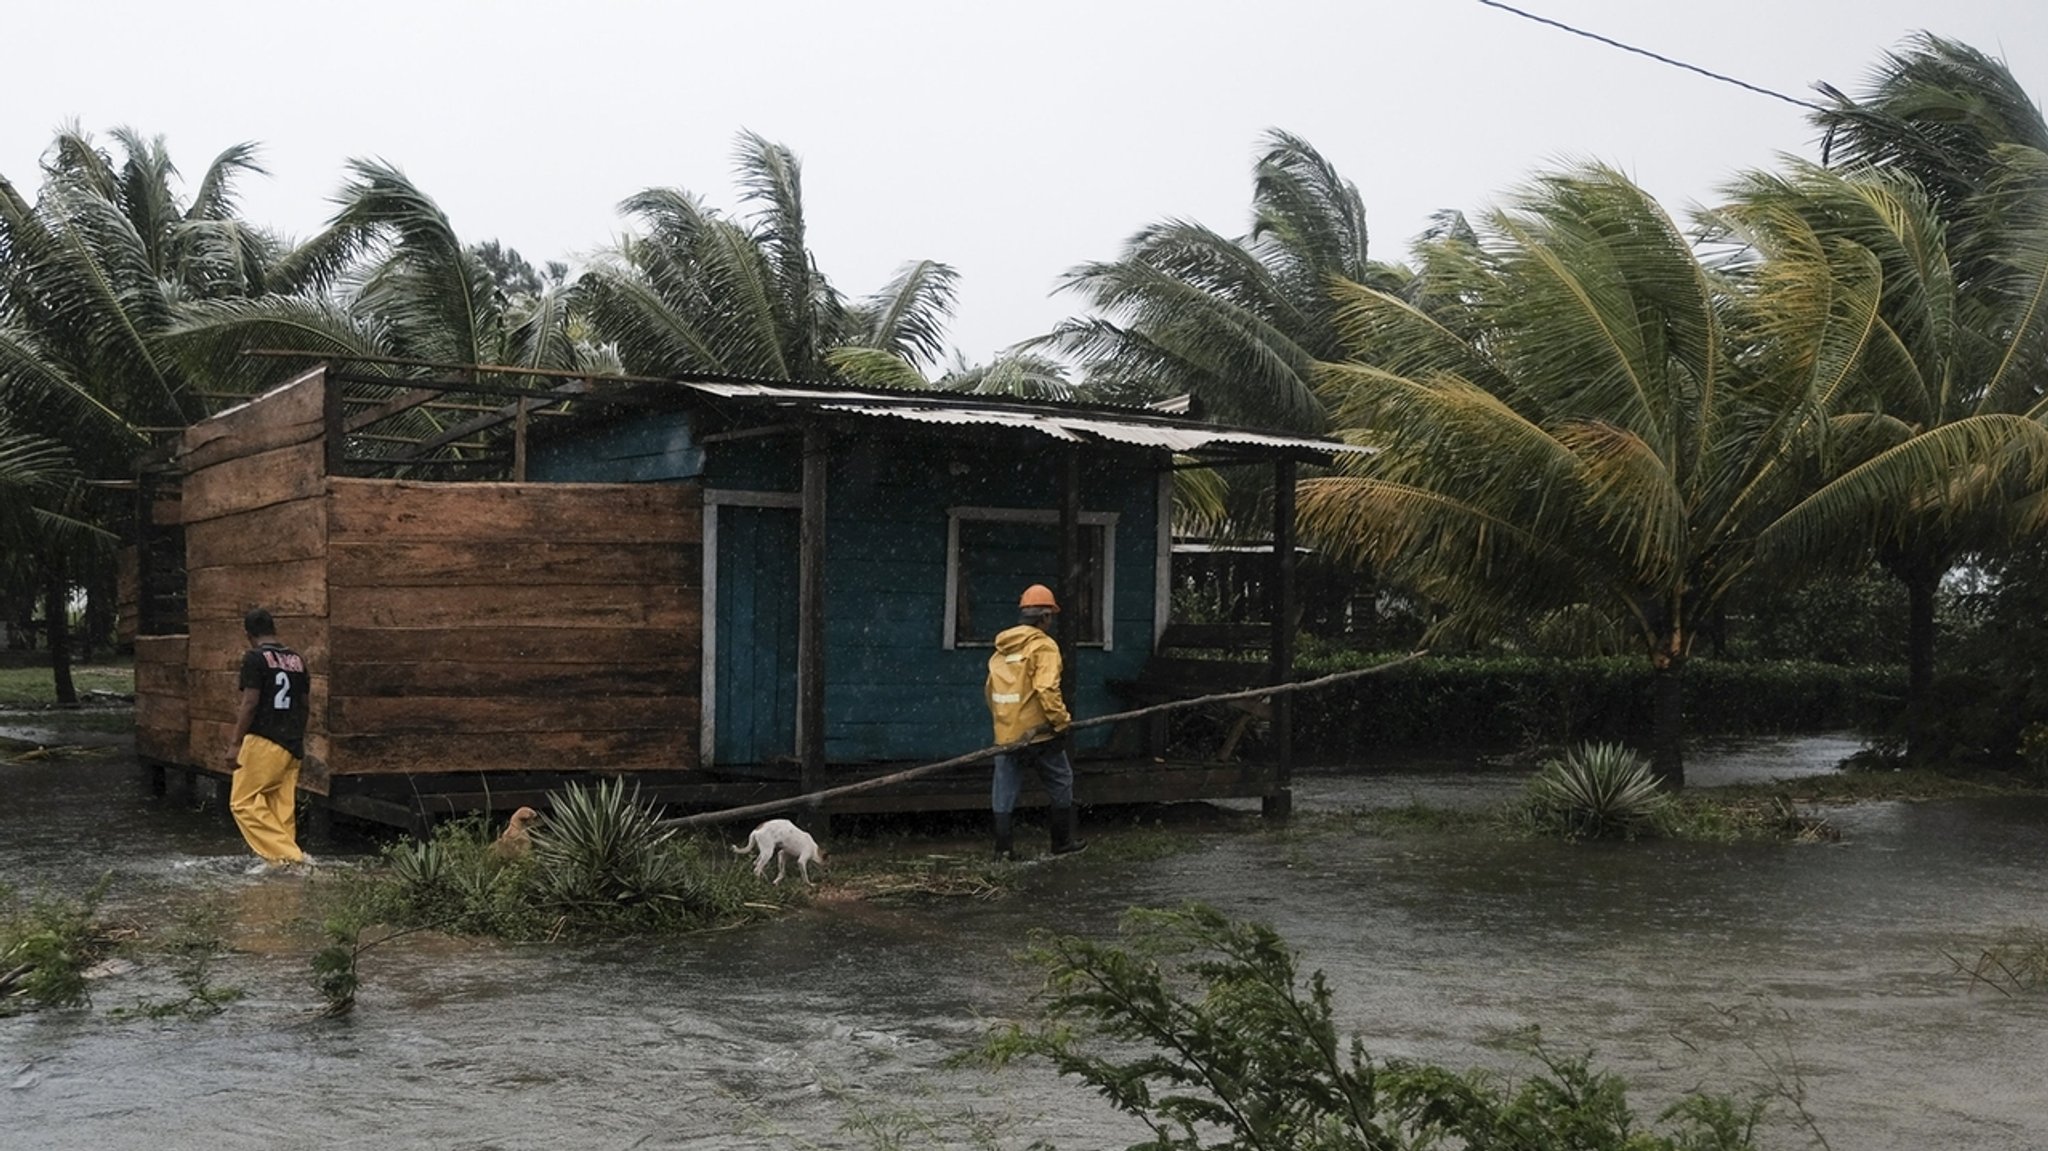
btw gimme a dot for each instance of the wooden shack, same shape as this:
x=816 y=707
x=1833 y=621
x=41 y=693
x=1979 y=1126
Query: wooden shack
x=724 y=590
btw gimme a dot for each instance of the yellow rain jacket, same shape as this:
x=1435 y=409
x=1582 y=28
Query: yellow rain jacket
x=1024 y=686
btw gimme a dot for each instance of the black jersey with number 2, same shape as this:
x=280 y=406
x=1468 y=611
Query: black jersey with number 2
x=279 y=676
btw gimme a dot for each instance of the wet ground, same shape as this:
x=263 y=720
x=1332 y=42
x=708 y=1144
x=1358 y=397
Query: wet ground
x=1821 y=968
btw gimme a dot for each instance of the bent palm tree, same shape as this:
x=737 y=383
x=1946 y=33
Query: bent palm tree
x=91 y=275
x=1572 y=422
x=698 y=291
x=1957 y=126
x=1237 y=322
x=1950 y=439
x=388 y=277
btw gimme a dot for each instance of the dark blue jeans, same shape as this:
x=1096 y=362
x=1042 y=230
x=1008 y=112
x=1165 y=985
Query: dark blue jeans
x=1053 y=770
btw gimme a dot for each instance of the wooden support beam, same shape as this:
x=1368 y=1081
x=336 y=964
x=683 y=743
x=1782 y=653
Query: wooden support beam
x=334 y=432
x=509 y=412
x=414 y=441
x=1279 y=803
x=810 y=645
x=519 y=444
x=415 y=461
x=1067 y=624
x=439 y=366
x=396 y=405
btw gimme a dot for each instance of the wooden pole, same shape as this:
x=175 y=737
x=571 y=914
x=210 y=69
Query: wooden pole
x=810 y=647
x=334 y=421
x=1068 y=623
x=145 y=542
x=1279 y=804
x=519 y=444
x=816 y=798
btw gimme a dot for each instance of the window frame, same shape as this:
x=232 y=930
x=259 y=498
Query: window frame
x=1106 y=608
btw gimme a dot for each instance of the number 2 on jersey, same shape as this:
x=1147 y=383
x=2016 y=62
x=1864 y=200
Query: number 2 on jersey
x=282 y=701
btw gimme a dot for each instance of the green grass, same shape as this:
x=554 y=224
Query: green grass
x=35 y=687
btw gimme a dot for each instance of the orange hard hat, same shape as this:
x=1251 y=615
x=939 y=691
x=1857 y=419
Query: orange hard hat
x=1038 y=595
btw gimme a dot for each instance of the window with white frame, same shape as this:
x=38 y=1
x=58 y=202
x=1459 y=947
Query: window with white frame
x=993 y=554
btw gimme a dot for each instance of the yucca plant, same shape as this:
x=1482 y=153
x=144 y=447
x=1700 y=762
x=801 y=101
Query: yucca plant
x=602 y=851
x=1596 y=791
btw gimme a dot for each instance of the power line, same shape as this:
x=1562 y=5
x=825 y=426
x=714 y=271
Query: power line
x=1761 y=91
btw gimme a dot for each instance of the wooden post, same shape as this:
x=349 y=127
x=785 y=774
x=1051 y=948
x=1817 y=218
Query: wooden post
x=810 y=644
x=1069 y=620
x=335 y=416
x=1279 y=803
x=519 y=444
x=145 y=531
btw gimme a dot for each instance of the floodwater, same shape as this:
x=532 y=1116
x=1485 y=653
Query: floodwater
x=1822 y=968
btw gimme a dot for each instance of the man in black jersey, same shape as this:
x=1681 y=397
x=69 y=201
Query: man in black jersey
x=269 y=741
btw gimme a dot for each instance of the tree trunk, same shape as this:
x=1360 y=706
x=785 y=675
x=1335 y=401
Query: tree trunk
x=1667 y=724
x=57 y=627
x=1921 y=587
x=102 y=606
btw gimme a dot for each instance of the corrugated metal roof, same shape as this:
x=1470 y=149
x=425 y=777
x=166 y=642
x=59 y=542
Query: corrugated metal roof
x=1124 y=426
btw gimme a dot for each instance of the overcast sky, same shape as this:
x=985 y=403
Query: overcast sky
x=1011 y=141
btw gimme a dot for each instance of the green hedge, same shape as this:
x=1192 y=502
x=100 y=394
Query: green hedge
x=1474 y=701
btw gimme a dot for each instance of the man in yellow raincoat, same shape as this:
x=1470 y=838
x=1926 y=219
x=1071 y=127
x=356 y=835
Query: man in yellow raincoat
x=1024 y=700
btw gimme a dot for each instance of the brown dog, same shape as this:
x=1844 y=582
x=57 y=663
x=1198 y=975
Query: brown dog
x=513 y=842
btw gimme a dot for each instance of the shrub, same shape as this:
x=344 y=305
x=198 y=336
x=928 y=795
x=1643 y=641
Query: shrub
x=1202 y=1029
x=1597 y=791
x=600 y=864
x=1468 y=701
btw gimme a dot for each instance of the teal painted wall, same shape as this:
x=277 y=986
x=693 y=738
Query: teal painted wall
x=648 y=448
x=892 y=690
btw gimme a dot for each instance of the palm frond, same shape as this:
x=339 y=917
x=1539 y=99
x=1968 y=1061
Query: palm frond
x=908 y=317
x=1942 y=474
x=1014 y=373
x=875 y=368
x=215 y=197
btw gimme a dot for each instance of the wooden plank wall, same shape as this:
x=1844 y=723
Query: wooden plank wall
x=255 y=509
x=490 y=627
x=161 y=731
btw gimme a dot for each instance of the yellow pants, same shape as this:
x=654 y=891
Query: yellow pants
x=265 y=788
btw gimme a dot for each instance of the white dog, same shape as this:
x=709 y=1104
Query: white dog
x=782 y=840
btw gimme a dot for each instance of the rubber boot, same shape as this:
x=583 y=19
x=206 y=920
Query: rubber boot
x=1060 y=821
x=1003 y=836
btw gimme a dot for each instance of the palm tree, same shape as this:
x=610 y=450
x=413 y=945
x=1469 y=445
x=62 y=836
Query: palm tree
x=1960 y=230
x=699 y=291
x=1949 y=441
x=92 y=273
x=1574 y=422
x=1237 y=322
x=389 y=277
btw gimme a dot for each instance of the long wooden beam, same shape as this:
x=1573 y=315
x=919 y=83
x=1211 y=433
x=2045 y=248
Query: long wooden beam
x=404 y=402
x=816 y=798
x=437 y=366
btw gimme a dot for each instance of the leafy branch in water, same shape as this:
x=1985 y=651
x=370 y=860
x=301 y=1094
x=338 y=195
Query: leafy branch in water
x=1202 y=1029
x=46 y=945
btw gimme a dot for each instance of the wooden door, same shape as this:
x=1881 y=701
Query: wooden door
x=757 y=635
